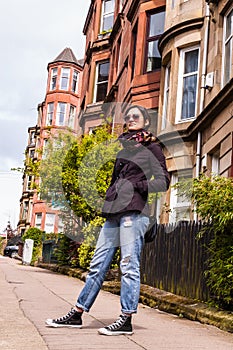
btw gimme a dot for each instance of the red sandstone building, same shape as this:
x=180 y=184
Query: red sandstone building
x=174 y=57
x=122 y=61
x=57 y=112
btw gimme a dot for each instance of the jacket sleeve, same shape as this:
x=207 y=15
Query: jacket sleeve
x=160 y=179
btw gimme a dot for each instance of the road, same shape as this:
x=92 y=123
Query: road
x=29 y=295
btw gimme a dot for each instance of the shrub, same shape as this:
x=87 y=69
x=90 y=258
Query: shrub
x=86 y=250
x=213 y=200
x=37 y=236
x=66 y=251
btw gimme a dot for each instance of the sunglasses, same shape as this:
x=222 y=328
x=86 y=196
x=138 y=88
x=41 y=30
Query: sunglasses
x=135 y=117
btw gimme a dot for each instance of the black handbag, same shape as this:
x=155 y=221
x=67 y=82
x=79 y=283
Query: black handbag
x=152 y=230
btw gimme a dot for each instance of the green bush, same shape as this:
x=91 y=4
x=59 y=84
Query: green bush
x=86 y=250
x=213 y=200
x=66 y=251
x=37 y=235
x=2 y=244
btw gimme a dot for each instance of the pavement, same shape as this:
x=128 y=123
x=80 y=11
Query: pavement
x=29 y=295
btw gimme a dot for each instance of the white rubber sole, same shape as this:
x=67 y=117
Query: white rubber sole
x=50 y=323
x=104 y=331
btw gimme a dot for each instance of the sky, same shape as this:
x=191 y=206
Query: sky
x=32 y=34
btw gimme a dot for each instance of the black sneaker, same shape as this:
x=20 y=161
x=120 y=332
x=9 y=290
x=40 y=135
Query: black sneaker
x=121 y=326
x=72 y=319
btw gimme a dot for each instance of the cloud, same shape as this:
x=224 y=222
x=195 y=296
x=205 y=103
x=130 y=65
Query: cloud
x=32 y=34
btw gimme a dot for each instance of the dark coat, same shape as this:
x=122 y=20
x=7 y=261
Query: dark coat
x=139 y=169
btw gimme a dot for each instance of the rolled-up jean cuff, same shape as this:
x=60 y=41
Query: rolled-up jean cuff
x=82 y=307
x=129 y=311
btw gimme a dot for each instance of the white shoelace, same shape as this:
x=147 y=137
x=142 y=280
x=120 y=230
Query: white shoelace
x=70 y=313
x=118 y=323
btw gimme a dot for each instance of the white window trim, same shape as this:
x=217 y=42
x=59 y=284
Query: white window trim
x=38 y=223
x=58 y=113
x=45 y=148
x=29 y=182
x=49 y=224
x=223 y=82
x=166 y=95
x=51 y=79
x=215 y=163
x=49 y=113
x=77 y=80
x=103 y=14
x=74 y=114
x=180 y=85
x=68 y=79
x=174 y=204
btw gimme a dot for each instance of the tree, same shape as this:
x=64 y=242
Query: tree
x=75 y=175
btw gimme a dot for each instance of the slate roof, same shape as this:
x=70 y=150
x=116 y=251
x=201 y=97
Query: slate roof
x=67 y=55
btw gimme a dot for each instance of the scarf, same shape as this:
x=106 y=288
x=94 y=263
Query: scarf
x=135 y=139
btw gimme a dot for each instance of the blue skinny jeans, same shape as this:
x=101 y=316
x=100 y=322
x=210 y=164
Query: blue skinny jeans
x=128 y=234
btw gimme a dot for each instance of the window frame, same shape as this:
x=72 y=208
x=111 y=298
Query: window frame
x=29 y=183
x=150 y=39
x=71 y=118
x=49 y=224
x=181 y=76
x=38 y=222
x=227 y=40
x=50 y=113
x=134 y=49
x=45 y=148
x=215 y=162
x=59 y=112
x=25 y=210
x=166 y=95
x=175 y=204
x=53 y=79
x=74 y=87
x=32 y=137
x=102 y=82
x=65 y=78
x=106 y=14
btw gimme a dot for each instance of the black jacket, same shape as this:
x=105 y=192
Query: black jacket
x=140 y=168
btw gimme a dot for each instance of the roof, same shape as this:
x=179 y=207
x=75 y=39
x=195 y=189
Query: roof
x=66 y=55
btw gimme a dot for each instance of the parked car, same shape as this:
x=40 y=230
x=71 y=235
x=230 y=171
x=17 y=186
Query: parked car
x=11 y=251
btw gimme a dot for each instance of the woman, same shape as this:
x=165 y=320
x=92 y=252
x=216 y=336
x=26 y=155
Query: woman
x=139 y=169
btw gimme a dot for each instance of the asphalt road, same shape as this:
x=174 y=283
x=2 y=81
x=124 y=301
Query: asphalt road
x=29 y=295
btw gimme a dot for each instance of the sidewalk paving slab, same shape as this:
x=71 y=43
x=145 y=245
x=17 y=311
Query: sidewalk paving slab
x=39 y=294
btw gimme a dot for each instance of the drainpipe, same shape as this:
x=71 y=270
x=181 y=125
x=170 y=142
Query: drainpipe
x=203 y=87
x=203 y=78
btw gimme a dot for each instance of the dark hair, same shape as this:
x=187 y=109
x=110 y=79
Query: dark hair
x=144 y=112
